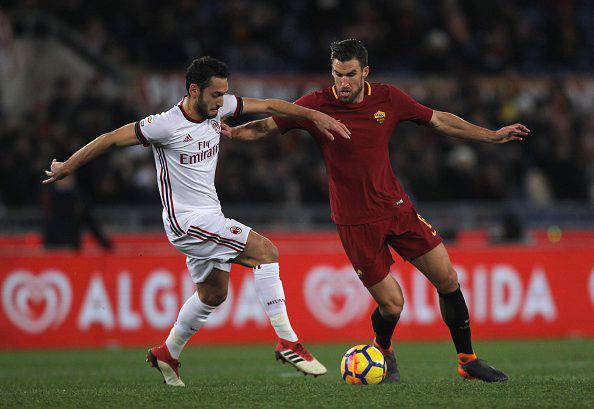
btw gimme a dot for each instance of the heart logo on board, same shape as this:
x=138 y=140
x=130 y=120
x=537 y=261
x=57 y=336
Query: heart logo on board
x=33 y=303
x=335 y=296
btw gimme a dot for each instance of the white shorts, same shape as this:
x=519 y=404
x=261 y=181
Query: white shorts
x=211 y=240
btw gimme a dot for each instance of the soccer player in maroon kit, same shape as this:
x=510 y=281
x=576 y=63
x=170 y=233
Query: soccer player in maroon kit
x=369 y=206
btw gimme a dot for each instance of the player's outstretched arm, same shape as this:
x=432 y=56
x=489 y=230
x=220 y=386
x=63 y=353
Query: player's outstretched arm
x=123 y=136
x=325 y=123
x=252 y=130
x=454 y=126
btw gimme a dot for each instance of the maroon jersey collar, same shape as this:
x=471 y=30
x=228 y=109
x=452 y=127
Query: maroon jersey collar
x=188 y=117
x=367 y=92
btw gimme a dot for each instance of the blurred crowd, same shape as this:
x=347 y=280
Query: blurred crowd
x=402 y=35
x=477 y=42
x=555 y=163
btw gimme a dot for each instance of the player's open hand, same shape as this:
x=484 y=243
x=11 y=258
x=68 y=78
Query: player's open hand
x=226 y=130
x=515 y=132
x=327 y=125
x=57 y=171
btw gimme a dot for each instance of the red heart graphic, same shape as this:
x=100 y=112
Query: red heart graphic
x=36 y=307
x=34 y=303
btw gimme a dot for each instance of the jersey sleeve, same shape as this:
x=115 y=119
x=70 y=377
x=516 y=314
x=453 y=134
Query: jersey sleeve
x=408 y=108
x=286 y=123
x=153 y=130
x=232 y=106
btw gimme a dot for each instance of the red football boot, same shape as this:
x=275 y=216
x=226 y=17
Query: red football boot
x=298 y=356
x=161 y=359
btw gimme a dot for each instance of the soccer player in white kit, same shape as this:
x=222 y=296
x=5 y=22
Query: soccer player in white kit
x=185 y=143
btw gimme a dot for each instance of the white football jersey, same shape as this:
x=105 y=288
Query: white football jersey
x=186 y=154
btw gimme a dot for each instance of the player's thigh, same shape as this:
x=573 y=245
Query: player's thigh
x=437 y=267
x=213 y=290
x=365 y=246
x=258 y=250
x=213 y=236
x=211 y=241
x=412 y=236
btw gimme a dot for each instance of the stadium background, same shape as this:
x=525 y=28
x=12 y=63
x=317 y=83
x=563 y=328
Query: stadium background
x=518 y=218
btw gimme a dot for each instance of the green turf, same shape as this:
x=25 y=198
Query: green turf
x=542 y=374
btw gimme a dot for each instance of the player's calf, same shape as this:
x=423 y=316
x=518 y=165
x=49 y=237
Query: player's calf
x=262 y=255
x=455 y=315
x=388 y=294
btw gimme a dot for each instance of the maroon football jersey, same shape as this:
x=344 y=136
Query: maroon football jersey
x=363 y=187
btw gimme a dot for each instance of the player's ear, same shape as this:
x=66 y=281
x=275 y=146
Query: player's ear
x=194 y=90
x=365 y=71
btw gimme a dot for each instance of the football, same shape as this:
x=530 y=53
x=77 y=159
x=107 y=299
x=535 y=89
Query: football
x=363 y=365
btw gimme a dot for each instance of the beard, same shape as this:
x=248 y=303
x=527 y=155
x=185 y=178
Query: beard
x=354 y=95
x=202 y=108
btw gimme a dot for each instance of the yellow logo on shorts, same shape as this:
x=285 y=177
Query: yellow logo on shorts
x=359 y=273
x=380 y=117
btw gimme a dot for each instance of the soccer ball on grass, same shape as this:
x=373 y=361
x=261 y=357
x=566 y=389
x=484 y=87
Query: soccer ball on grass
x=363 y=364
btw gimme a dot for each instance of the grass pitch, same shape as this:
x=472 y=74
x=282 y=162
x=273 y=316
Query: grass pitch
x=542 y=374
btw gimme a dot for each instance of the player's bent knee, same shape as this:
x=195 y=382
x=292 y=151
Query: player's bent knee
x=215 y=299
x=212 y=297
x=447 y=282
x=259 y=250
x=269 y=252
x=272 y=252
x=392 y=310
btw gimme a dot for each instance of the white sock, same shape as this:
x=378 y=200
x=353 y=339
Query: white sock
x=272 y=296
x=192 y=315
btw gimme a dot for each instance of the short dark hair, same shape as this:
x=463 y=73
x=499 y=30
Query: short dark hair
x=202 y=69
x=348 y=49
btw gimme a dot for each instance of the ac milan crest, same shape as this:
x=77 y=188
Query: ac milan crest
x=235 y=230
x=216 y=126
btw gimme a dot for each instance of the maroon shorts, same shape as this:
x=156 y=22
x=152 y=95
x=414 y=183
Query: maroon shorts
x=366 y=245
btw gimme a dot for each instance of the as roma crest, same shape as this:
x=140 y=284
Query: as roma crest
x=380 y=117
